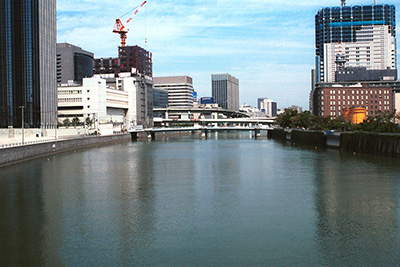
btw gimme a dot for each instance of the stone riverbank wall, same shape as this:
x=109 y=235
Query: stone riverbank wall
x=21 y=153
x=373 y=143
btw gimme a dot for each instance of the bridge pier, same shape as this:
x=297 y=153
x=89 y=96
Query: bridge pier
x=151 y=136
x=134 y=136
x=204 y=133
x=257 y=133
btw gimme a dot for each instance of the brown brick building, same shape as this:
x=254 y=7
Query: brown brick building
x=329 y=99
x=130 y=59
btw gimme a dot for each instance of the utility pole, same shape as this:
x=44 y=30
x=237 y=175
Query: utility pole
x=22 y=116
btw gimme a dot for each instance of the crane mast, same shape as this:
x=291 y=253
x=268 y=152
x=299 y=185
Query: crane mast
x=121 y=29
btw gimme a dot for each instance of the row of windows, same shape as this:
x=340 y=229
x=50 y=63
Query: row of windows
x=332 y=92
x=370 y=108
x=332 y=103
x=334 y=113
x=70 y=92
x=67 y=100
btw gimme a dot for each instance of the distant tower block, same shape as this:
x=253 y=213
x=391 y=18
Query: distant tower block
x=343 y=2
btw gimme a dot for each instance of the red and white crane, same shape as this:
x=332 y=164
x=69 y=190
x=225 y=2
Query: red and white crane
x=120 y=28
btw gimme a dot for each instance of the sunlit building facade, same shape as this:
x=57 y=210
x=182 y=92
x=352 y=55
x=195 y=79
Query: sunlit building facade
x=225 y=91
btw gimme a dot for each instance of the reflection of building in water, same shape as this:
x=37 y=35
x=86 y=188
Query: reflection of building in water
x=22 y=218
x=356 y=217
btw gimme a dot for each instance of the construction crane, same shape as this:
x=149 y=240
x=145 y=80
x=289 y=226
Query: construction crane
x=120 y=28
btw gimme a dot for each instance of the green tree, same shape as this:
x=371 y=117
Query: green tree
x=302 y=120
x=67 y=122
x=284 y=119
x=89 y=122
x=75 y=121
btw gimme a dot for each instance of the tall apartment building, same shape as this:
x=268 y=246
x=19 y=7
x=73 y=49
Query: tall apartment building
x=132 y=59
x=268 y=106
x=180 y=90
x=73 y=64
x=225 y=91
x=355 y=36
x=28 y=63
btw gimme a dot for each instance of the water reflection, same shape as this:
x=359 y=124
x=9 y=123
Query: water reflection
x=21 y=217
x=356 y=204
x=226 y=201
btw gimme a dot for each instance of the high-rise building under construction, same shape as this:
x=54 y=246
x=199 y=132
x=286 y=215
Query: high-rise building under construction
x=359 y=36
x=132 y=59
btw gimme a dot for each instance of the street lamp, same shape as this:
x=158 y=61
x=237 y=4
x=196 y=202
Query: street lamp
x=22 y=128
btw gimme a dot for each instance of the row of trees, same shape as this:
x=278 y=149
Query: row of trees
x=76 y=122
x=383 y=122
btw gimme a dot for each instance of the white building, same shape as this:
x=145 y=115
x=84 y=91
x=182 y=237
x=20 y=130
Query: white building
x=268 y=106
x=125 y=101
x=180 y=90
x=375 y=49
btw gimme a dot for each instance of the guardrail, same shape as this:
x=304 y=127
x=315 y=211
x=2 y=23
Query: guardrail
x=24 y=144
x=8 y=145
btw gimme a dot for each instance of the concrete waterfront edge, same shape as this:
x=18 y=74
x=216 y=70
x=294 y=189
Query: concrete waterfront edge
x=359 y=142
x=21 y=153
x=373 y=143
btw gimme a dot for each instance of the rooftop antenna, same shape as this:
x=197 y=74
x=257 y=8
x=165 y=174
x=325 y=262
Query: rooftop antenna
x=343 y=2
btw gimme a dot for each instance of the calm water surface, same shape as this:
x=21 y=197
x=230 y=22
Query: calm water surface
x=231 y=201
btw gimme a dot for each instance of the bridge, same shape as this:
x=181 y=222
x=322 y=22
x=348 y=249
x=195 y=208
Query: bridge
x=205 y=130
x=185 y=112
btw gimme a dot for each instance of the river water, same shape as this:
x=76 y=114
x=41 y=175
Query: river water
x=230 y=201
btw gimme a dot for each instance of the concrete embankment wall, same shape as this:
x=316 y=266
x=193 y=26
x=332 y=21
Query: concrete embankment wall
x=373 y=143
x=20 y=153
x=309 y=138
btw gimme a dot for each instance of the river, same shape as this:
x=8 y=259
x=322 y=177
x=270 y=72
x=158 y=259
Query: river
x=225 y=201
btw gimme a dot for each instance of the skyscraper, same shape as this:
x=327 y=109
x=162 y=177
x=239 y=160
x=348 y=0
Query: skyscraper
x=28 y=63
x=361 y=36
x=225 y=91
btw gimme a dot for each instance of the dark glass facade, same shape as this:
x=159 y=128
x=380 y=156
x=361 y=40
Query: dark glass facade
x=83 y=67
x=160 y=98
x=20 y=57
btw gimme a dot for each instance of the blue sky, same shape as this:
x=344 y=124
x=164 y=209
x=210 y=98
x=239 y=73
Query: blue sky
x=268 y=45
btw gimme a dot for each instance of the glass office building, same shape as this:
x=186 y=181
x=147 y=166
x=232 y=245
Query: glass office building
x=225 y=91
x=365 y=35
x=28 y=63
